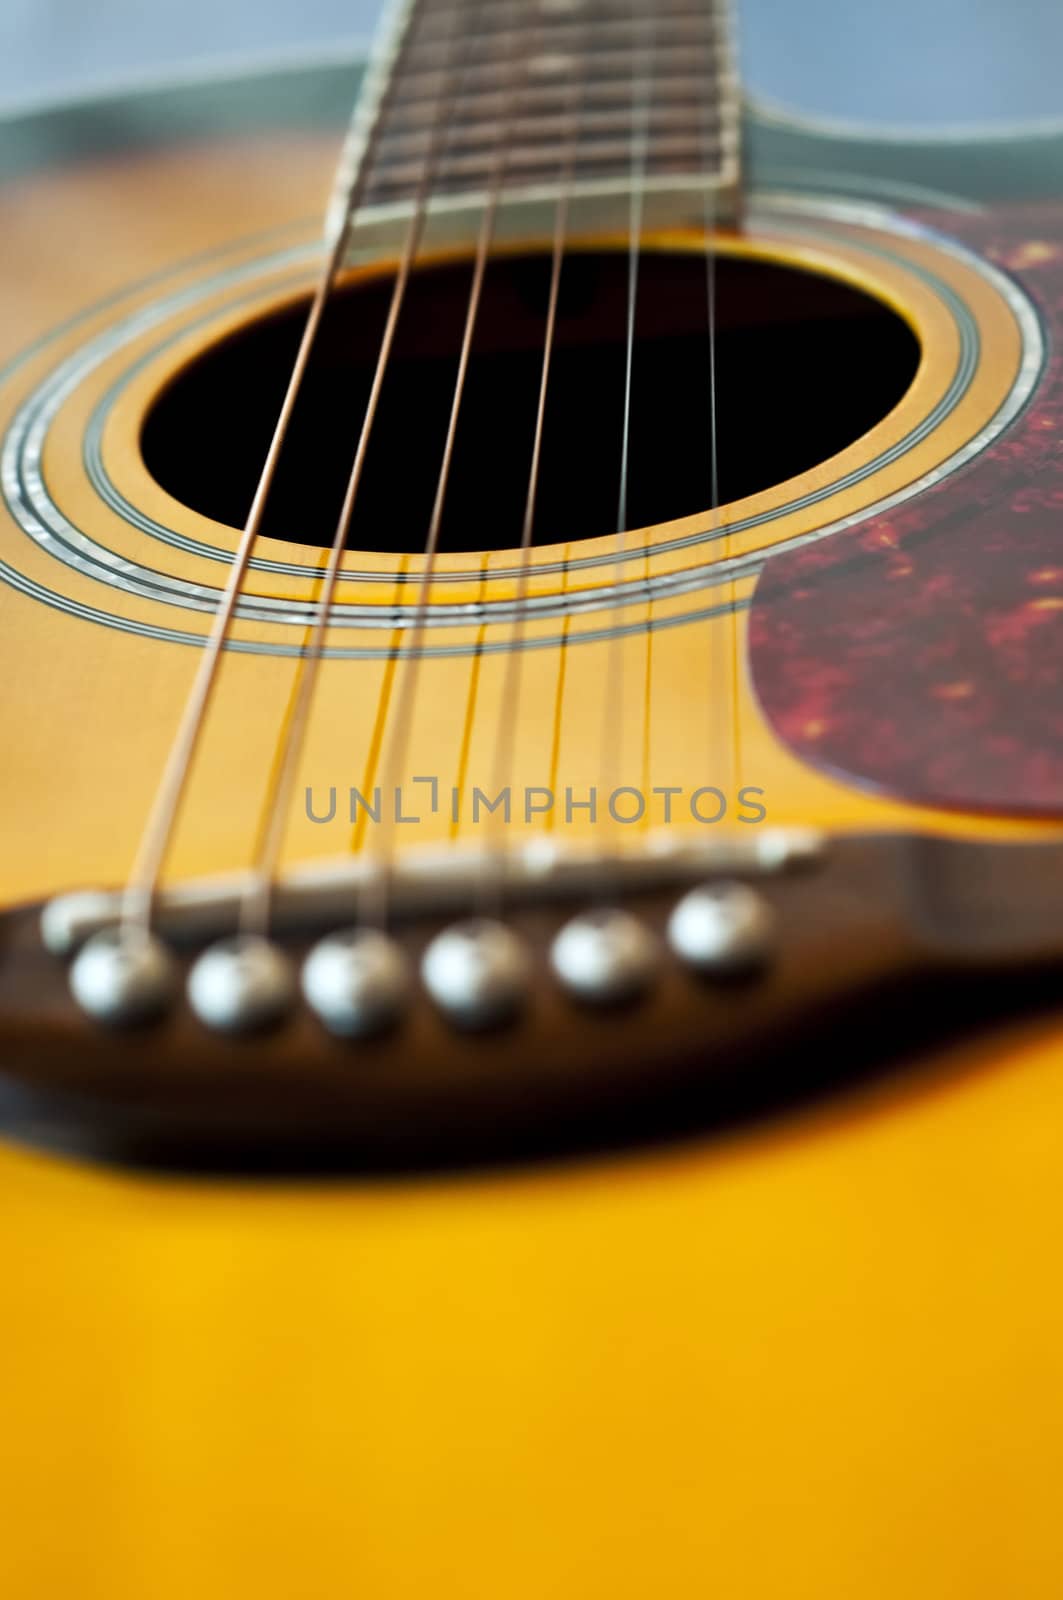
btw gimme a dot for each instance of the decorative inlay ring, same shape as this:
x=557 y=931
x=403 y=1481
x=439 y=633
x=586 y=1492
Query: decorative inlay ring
x=109 y=523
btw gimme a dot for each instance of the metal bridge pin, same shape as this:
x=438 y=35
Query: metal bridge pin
x=606 y=956
x=356 y=981
x=722 y=928
x=790 y=849
x=123 y=976
x=241 y=985
x=476 y=972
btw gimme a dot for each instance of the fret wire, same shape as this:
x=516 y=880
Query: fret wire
x=606 y=64
x=611 y=92
x=615 y=151
x=480 y=118
x=493 y=46
x=673 y=152
x=542 y=181
x=484 y=132
x=604 y=17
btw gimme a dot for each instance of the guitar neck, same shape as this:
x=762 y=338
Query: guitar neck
x=529 y=99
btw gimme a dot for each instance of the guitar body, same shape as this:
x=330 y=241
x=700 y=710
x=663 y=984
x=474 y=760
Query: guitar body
x=816 y=1354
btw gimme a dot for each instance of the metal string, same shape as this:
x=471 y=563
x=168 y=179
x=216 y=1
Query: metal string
x=257 y=899
x=736 y=656
x=141 y=886
x=375 y=900
x=151 y=854
x=509 y=707
x=723 y=657
x=642 y=111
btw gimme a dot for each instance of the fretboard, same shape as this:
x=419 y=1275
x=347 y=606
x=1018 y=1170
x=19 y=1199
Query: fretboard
x=527 y=95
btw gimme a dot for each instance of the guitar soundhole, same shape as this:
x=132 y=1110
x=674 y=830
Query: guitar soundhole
x=804 y=366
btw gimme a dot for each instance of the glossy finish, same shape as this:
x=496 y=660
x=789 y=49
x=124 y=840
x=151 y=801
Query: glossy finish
x=820 y=1357
x=241 y=985
x=356 y=981
x=123 y=977
x=478 y=973
x=960 y=591
x=723 y=929
x=606 y=957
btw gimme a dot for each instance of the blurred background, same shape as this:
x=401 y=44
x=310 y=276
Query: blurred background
x=884 y=61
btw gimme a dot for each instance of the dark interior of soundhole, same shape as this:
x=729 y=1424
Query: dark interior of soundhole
x=804 y=366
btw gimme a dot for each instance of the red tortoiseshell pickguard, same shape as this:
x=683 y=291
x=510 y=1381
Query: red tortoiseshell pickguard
x=921 y=653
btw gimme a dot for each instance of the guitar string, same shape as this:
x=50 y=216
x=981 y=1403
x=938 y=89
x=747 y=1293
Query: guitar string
x=735 y=634
x=719 y=659
x=256 y=901
x=492 y=876
x=140 y=890
x=612 y=730
x=138 y=896
x=375 y=898
x=733 y=671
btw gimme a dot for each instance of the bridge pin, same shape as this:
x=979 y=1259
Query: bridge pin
x=722 y=928
x=606 y=956
x=476 y=972
x=123 y=976
x=356 y=982
x=789 y=849
x=241 y=985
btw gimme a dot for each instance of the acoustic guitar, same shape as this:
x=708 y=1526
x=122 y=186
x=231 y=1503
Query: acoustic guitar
x=532 y=870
